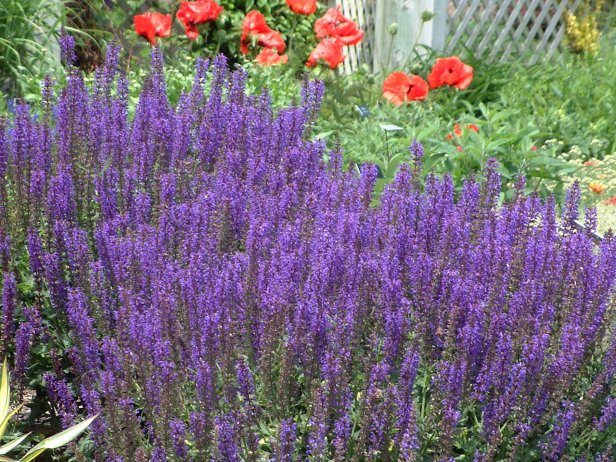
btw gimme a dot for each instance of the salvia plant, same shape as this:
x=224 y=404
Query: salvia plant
x=52 y=442
x=218 y=288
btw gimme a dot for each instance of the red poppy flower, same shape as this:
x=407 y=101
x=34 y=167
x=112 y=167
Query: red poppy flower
x=459 y=148
x=611 y=201
x=590 y=163
x=457 y=130
x=303 y=6
x=270 y=57
x=400 y=87
x=152 y=25
x=255 y=26
x=335 y=25
x=533 y=148
x=449 y=136
x=193 y=13
x=450 y=71
x=473 y=127
x=327 y=50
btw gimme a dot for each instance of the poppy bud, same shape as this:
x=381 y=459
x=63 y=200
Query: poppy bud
x=393 y=28
x=427 y=16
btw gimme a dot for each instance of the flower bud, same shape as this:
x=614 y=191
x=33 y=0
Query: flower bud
x=393 y=28
x=427 y=16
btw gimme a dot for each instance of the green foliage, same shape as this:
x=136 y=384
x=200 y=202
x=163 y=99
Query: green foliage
x=52 y=442
x=27 y=29
x=224 y=34
x=598 y=185
x=502 y=134
x=515 y=107
x=28 y=41
x=573 y=101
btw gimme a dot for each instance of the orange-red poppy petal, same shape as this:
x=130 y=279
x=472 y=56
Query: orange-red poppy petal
x=270 y=57
x=400 y=87
x=152 y=25
x=419 y=89
x=395 y=87
x=333 y=24
x=450 y=71
x=272 y=39
x=473 y=127
x=328 y=51
x=303 y=6
x=254 y=23
x=191 y=14
x=255 y=26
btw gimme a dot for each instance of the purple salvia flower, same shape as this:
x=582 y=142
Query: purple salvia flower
x=62 y=398
x=571 y=209
x=208 y=252
x=67 y=49
x=406 y=423
x=177 y=430
x=226 y=441
x=557 y=440
x=83 y=327
x=608 y=415
x=319 y=427
x=23 y=343
x=158 y=455
x=61 y=197
x=287 y=433
x=5 y=251
x=9 y=305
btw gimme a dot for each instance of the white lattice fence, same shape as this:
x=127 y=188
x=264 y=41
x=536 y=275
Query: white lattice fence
x=499 y=30
x=363 y=12
x=492 y=30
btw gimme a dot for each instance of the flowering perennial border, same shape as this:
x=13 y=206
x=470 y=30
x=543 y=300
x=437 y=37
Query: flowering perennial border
x=229 y=295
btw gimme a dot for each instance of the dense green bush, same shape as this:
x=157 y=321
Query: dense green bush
x=222 y=35
x=29 y=31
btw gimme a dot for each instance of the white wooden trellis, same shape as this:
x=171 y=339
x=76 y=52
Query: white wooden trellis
x=363 y=12
x=492 y=30
x=501 y=30
x=395 y=51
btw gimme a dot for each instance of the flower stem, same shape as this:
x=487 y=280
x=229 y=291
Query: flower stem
x=406 y=61
x=293 y=28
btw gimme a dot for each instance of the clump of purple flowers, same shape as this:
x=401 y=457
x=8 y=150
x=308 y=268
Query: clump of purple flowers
x=232 y=296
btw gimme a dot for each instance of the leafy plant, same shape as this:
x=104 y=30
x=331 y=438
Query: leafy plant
x=229 y=295
x=220 y=36
x=598 y=185
x=29 y=30
x=51 y=442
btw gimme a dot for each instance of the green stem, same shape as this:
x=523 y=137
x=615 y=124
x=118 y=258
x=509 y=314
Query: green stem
x=406 y=61
x=292 y=35
x=391 y=49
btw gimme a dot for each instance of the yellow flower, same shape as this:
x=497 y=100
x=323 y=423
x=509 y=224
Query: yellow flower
x=582 y=29
x=596 y=188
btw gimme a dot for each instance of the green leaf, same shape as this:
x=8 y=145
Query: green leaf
x=5 y=421
x=7 y=459
x=5 y=391
x=58 y=440
x=12 y=445
x=322 y=135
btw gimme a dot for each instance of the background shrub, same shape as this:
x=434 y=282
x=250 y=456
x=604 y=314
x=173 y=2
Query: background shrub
x=220 y=36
